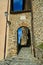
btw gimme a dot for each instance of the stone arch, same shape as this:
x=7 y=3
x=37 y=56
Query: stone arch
x=22 y=24
x=27 y=37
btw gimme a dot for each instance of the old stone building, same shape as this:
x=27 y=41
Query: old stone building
x=30 y=20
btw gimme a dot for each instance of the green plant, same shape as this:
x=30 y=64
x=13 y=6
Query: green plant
x=41 y=46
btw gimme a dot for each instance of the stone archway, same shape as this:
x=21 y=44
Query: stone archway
x=25 y=40
x=16 y=23
x=25 y=24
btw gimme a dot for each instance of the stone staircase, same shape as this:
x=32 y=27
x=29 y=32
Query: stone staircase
x=23 y=58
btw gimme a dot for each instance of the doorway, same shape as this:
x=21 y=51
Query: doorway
x=23 y=38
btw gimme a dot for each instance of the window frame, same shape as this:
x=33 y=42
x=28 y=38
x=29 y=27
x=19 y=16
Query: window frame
x=23 y=11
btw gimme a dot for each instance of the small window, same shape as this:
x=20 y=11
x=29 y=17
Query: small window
x=20 y=5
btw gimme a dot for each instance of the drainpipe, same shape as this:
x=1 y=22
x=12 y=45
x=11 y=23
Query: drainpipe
x=32 y=28
x=6 y=14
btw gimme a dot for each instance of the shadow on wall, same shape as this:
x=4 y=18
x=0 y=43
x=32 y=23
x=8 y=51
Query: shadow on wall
x=23 y=38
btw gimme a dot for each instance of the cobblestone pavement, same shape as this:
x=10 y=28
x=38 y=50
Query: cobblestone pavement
x=23 y=58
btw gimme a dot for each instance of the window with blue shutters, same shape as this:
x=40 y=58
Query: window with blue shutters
x=17 y=5
x=20 y=5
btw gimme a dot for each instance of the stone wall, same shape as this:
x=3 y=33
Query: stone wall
x=17 y=22
x=37 y=6
x=39 y=54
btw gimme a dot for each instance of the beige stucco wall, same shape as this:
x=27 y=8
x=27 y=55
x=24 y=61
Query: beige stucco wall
x=3 y=8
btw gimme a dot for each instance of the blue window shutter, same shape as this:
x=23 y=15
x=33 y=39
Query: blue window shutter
x=17 y=5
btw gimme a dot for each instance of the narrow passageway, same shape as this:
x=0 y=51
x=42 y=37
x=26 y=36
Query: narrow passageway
x=23 y=38
x=25 y=52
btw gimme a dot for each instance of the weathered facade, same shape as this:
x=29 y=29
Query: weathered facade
x=38 y=20
x=15 y=24
x=33 y=20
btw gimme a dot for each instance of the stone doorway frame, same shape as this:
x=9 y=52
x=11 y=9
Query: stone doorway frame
x=28 y=37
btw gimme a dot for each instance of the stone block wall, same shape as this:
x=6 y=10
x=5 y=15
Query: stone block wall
x=17 y=22
x=37 y=6
x=39 y=54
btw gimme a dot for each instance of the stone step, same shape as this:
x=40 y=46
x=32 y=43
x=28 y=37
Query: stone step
x=19 y=62
x=23 y=58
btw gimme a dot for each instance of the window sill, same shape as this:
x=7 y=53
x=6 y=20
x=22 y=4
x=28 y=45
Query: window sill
x=11 y=12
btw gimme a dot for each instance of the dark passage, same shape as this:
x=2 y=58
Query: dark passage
x=23 y=38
